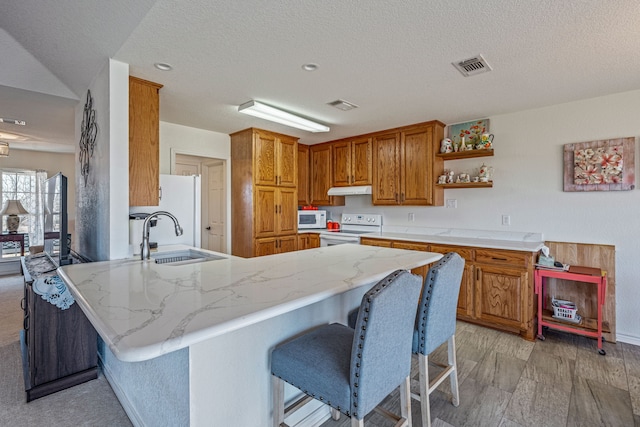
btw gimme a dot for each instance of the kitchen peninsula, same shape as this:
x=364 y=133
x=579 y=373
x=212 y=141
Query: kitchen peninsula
x=207 y=328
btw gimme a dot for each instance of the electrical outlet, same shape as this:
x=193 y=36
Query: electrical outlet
x=412 y=217
x=452 y=203
x=506 y=220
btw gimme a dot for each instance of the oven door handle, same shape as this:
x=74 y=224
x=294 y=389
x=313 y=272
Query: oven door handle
x=339 y=238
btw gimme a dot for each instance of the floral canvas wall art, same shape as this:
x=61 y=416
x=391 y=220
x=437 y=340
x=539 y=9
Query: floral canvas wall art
x=471 y=131
x=604 y=165
x=600 y=166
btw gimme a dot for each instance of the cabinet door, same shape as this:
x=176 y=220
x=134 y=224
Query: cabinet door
x=303 y=175
x=321 y=176
x=361 y=161
x=265 y=172
x=415 y=167
x=314 y=240
x=499 y=295
x=287 y=243
x=386 y=169
x=467 y=288
x=287 y=211
x=265 y=246
x=287 y=162
x=341 y=164
x=266 y=211
x=144 y=142
x=303 y=241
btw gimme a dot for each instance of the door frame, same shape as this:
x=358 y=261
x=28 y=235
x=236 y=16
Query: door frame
x=205 y=187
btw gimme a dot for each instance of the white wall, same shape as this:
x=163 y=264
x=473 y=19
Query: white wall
x=178 y=139
x=103 y=201
x=528 y=182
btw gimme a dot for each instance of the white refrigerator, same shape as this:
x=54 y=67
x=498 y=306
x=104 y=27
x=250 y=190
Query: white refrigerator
x=180 y=196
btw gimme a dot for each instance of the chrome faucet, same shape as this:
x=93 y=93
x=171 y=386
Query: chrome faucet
x=145 y=250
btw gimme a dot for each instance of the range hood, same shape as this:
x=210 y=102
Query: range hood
x=349 y=191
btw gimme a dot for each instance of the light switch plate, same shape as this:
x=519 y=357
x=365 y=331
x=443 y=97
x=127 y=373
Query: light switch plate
x=452 y=203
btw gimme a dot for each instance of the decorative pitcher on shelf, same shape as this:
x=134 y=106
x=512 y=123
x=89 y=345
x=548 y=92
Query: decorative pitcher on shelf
x=446 y=146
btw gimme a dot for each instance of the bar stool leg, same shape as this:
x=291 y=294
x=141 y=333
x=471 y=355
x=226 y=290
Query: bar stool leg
x=278 y=400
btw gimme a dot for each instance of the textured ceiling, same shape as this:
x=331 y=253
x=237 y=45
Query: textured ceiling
x=393 y=59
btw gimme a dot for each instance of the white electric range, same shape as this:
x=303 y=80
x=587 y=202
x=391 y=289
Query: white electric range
x=352 y=226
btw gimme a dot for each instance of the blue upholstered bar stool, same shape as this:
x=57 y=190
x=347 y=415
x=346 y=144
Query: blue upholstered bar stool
x=353 y=370
x=435 y=324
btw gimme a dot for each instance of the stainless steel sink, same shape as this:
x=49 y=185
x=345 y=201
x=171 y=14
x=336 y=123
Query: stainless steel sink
x=182 y=257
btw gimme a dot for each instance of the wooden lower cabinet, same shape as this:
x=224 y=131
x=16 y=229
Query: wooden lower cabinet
x=496 y=288
x=467 y=286
x=276 y=245
x=399 y=244
x=308 y=241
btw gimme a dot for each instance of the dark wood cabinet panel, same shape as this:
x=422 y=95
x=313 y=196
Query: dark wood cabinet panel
x=59 y=346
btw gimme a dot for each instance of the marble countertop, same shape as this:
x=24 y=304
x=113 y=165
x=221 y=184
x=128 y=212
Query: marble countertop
x=143 y=310
x=509 y=240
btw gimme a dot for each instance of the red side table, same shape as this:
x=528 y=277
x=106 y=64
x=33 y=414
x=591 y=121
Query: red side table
x=587 y=327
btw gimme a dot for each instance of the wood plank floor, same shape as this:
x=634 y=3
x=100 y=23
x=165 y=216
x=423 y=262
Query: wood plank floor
x=506 y=381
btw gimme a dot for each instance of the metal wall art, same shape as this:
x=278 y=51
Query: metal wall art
x=88 y=134
x=605 y=165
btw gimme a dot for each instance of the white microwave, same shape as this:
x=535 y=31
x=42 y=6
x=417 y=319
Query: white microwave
x=312 y=219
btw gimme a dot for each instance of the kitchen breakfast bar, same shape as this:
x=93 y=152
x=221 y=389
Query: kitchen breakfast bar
x=190 y=344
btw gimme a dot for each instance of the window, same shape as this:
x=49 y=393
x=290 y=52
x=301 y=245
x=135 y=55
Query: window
x=19 y=185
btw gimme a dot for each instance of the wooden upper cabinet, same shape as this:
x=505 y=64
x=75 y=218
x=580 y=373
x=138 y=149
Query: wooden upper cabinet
x=321 y=176
x=361 y=161
x=416 y=175
x=352 y=162
x=287 y=155
x=144 y=142
x=276 y=158
x=341 y=164
x=386 y=169
x=265 y=159
x=303 y=175
x=405 y=166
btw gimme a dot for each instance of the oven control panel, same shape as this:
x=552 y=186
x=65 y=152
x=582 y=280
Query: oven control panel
x=362 y=219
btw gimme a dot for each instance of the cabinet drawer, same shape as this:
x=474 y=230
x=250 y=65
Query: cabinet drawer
x=413 y=246
x=494 y=256
x=375 y=242
x=465 y=253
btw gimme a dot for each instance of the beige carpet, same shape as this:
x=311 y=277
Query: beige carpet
x=90 y=404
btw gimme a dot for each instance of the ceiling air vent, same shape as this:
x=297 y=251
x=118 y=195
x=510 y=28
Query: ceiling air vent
x=343 y=105
x=472 y=66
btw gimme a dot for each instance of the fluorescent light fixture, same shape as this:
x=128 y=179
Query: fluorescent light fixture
x=13 y=121
x=263 y=111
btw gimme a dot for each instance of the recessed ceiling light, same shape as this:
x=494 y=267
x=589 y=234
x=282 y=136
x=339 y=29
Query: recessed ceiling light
x=310 y=67
x=163 y=66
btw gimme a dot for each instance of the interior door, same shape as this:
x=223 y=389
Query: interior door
x=216 y=222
